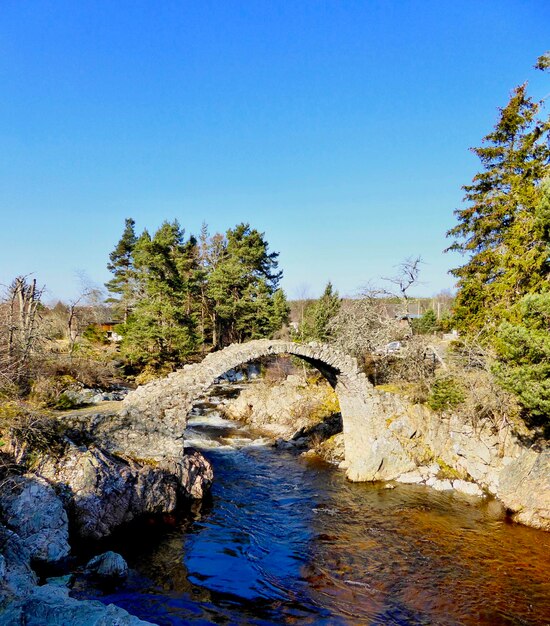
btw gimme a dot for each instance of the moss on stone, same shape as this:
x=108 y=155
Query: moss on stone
x=446 y=471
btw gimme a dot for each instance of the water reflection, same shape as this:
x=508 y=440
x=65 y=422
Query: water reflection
x=285 y=540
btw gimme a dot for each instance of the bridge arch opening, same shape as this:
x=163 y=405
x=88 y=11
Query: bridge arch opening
x=169 y=400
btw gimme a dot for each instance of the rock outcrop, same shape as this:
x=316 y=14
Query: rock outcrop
x=296 y=414
x=102 y=491
x=23 y=601
x=285 y=410
x=524 y=488
x=30 y=508
x=412 y=440
x=115 y=431
x=108 y=567
x=50 y=605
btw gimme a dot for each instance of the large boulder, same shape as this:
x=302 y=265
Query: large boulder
x=16 y=574
x=31 y=508
x=117 y=432
x=102 y=491
x=524 y=489
x=108 y=567
x=192 y=471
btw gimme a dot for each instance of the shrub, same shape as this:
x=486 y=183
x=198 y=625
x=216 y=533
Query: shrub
x=34 y=434
x=47 y=391
x=445 y=394
x=95 y=335
x=523 y=349
x=426 y=325
x=65 y=402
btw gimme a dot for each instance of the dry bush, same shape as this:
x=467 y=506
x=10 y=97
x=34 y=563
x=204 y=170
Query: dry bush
x=364 y=326
x=150 y=373
x=414 y=363
x=30 y=434
x=90 y=370
x=47 y=390
x=486 y=401
x=8 y=469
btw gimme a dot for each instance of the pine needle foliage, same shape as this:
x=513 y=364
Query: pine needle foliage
x=500 y=230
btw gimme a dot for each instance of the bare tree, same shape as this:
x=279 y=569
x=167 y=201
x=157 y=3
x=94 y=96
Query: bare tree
x=407 y=276
x=19 y=328
x=87 y=308
x=363 y=324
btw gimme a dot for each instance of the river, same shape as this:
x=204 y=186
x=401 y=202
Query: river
x=285 y=539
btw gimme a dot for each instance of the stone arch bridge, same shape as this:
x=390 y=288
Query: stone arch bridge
x=163 y=405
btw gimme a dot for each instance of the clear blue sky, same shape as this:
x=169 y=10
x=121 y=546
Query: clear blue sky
x=339 y=128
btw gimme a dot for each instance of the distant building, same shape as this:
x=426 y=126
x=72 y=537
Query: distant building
x=109 y=329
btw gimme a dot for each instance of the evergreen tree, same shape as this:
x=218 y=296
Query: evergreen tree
x=317 y=316
x=194 y=294
x=280 y=314
x=425 y=325
x=499 y=229
x=121 y=265
x=242 y=281
x=523 y=348
x=161 y=332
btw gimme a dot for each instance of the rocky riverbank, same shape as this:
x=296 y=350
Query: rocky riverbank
x=295 y=412
x=78 y=489
x=442 y=451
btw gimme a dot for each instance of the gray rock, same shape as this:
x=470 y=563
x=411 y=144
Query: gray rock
x=102 y=491
x=31 y=508
x=61 y=581
x=332 y=449
x=19 y=578
x=286 y=411
x=470 y=489
x=524 y=489
x=442 y=485
x=52 y=606
x=140 y=438
x=109 y=566
x=193 y=472
x=410 y=478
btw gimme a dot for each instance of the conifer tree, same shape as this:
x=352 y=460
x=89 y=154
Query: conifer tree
x=121 y=265
x=196 y=295
x=317 y=316
x=161 y=332
x=499 y=229
x=523 y=348
x=241 y=285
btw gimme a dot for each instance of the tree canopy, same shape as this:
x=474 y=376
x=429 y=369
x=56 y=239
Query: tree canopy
x=502 y=230
x=181 y=296
x=316 y=323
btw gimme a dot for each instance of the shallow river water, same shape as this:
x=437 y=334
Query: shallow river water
x=287 y=540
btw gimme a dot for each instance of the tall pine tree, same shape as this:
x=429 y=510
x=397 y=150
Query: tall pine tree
x=121 y=264
x=499 y=229
x=317 y=316
x=241 y=286
x=162 y=331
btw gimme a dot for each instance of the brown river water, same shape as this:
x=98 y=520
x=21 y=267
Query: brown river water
x=287 y=540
